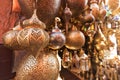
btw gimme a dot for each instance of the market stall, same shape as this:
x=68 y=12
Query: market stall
x=60 y=39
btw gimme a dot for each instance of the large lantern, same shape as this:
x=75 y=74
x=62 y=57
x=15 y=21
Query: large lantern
x=33 y=38
x=44 y=67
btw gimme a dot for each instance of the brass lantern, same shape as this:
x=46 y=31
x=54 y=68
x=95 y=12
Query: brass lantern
x=10 y=40
x=44 y=67
x=75 y=40
x=33 y=36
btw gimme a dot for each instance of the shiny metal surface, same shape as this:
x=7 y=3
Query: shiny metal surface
x=10 y=40
x=95 y=10
x=47 y=10
x=57 y=40
x=35 y=38
x=75 y=40
x=77 y=6
x=34 y=22
x=44 y=67
x=27 y=7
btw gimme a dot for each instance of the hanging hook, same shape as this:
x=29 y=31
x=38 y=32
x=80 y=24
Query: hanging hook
x=57 y=19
